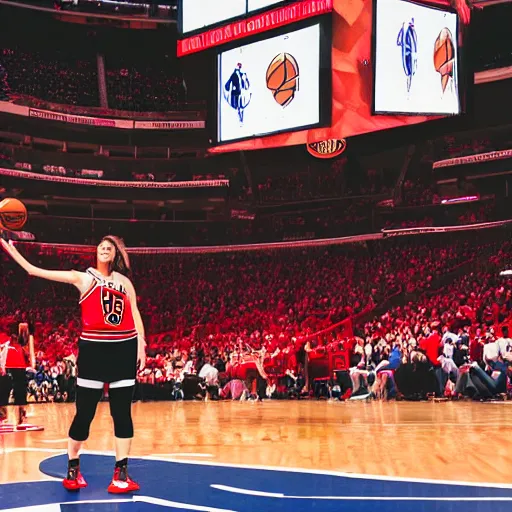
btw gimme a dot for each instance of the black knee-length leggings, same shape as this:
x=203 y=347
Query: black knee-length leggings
x=120 y=409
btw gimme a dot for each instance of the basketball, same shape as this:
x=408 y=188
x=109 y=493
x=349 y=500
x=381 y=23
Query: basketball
x=443 y=50
x=13 y=214
x=283 y=78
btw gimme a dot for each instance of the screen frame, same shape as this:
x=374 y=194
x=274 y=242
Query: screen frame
x=460 y=73
x=325 y=76
x=226 y=21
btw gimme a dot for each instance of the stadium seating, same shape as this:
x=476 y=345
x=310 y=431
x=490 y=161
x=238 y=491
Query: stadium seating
x=213 y=305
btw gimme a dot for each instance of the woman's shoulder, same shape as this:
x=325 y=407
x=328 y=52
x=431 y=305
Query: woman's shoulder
x=125 y=281
x=85 y=279
x=121 y=277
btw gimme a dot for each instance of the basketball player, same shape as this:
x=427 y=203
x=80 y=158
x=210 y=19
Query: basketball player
x=13 y=367
x=236 y=86
x=111 y=345
x=26 y=332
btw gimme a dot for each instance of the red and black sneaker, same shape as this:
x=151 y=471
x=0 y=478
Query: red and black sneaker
x=74 y=480
x=121 y=482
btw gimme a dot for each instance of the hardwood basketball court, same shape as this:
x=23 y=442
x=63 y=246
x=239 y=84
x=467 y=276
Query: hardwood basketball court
x=389 y=442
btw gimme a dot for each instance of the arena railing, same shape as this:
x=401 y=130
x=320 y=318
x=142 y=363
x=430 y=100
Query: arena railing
x=445 y=229
x=266 y=246
x=474 y=159
x=14 y=173
x=213 y=249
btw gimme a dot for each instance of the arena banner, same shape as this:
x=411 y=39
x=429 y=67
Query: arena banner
x=169 y=125
x=254 y=25
x=244 y=214
x=48 y=115
x=91 y=173
x=474 y=159
x=100 y=122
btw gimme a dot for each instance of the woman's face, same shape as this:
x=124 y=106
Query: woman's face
x=106 y=252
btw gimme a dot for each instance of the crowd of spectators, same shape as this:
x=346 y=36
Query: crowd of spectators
x=469 y=143
x=495 y=48
x=148 y=88
x=419 y=192
x=319 y=181
x=141 y=169
x=61 y=77
x=446 y=342
x=208 y=308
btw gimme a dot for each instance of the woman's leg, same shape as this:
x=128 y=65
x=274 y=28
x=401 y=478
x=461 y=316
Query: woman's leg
x=19 y=388
x=87 y=399
x=121 y=411
x=120 y=399
x=86 y=403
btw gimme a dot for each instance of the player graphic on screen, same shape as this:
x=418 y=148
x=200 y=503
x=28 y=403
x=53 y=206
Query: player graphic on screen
x=407 y=39
x=237 y=92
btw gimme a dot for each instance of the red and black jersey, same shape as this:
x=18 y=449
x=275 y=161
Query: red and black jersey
x=106 y=310
x=16 y=357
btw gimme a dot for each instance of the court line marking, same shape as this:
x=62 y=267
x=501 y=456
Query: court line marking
x=280 y=469
x=136 y=499
x=44 y=450
x=99 y=452
x=63 y=440
x=249 y=492
x=205 y=455
x=333 y=473
x=46 y=479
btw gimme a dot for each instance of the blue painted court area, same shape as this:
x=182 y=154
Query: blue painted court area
x=209 y=487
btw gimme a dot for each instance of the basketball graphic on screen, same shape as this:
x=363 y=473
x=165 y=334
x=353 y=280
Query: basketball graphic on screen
x=13 y=214
x=283 y=78
x=444 y=56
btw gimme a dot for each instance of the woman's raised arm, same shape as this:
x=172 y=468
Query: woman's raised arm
x=62 y=276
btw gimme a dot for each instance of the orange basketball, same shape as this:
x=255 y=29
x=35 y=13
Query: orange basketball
x=13 y=214
x=444 y=50
x=283 y=78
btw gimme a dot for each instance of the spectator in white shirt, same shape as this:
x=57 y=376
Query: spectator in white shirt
x=210 y=375
x=505 y=345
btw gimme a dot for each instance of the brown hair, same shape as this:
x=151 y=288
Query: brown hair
x=121 y=261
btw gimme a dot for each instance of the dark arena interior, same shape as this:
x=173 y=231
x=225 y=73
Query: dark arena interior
x=255 y=255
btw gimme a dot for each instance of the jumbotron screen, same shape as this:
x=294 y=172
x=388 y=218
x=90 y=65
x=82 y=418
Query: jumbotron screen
x=270 y=86
x=200 y=14
x=415 y=57
x=352 y=99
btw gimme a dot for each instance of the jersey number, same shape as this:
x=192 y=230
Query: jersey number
x=113 y=307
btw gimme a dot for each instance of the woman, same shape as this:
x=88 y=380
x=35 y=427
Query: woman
x=111 y=345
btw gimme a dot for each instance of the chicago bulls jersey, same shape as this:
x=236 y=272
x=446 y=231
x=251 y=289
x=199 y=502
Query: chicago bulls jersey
x=106 y=310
